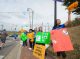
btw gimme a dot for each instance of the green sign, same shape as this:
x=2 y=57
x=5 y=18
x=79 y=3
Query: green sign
x=23 y=37
x=43 y=37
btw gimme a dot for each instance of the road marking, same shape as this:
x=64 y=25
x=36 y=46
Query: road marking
x=1 y=57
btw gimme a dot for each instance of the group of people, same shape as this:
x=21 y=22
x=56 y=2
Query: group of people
x=3 y=35
x=31 y=36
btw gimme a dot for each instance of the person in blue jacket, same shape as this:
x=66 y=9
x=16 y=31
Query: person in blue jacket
x=58 y=25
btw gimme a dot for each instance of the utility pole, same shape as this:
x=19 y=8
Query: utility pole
x=55 y=12
x=45 y=28
x=30 y=17
x=2 y=26
x=48 y=26
x=42 y=25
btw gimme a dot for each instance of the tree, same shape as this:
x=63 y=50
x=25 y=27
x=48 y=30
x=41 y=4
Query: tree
x=74 y=22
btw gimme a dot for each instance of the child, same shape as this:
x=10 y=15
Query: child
x=59 y=26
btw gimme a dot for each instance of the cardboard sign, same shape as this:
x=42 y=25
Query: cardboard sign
x=46 y=37
x=39 y=51
x=61 y=40
x=31 y=36
x=73 y=6
x=43 y=37
x=23 y=37
x=39 y=37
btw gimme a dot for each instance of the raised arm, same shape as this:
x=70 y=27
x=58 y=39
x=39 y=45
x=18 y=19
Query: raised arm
x=69 y=19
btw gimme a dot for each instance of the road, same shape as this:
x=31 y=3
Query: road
x=10 y=44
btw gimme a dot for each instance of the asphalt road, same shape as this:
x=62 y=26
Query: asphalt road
x=10 y=44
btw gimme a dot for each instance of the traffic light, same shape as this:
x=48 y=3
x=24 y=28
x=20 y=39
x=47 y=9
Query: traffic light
x=73 y=6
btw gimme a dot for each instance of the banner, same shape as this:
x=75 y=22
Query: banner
x=39 y=51
x=61 y=40
x=43 y=37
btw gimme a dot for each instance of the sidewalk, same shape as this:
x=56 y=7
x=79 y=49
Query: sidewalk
x=26 y=54
x=19 y=52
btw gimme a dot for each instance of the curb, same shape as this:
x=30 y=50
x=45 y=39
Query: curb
x=19 y=52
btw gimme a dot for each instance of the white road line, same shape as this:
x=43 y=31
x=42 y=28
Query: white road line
x=1 y=57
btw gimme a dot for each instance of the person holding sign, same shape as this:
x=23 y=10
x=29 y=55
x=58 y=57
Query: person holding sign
x=43 y=38
x=23 y=37
x=31 y=39
x=60 y=53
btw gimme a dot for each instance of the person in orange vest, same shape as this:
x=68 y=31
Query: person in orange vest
x=31 y=38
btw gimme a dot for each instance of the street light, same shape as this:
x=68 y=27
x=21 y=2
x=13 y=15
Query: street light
x=2 y=27
x=30 y=16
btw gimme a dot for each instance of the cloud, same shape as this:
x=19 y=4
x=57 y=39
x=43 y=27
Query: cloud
x=43 y=11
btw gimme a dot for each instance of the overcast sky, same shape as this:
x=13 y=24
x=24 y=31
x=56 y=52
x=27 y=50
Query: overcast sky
x=43 y=11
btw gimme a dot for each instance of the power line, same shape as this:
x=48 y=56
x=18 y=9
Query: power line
x=13 y=12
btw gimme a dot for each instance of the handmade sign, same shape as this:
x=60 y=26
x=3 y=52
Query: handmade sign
x=39 y=37
x=61 y=40
x=73 y=6
x=23 y=37
x=39 y=51
x=31 y=36
x=43 y=37
x=46 y=37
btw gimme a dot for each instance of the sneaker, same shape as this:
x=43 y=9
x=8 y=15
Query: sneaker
x=30 y=48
